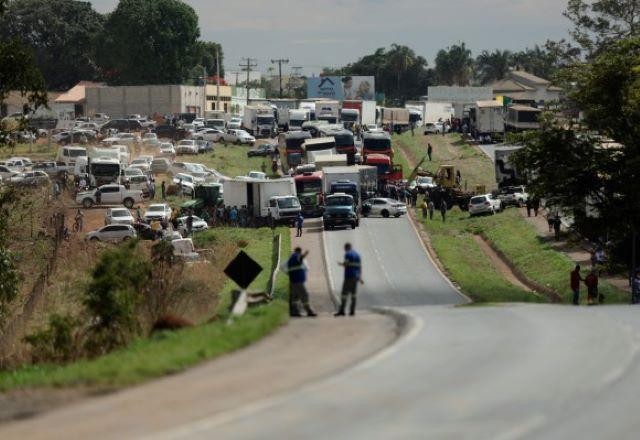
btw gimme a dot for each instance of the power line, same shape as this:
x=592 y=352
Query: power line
x=280 y=62
x=249 y=65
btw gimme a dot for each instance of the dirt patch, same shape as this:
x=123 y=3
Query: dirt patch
x=500 y=265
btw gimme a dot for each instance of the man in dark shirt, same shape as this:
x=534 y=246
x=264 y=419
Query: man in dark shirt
x=352 y=275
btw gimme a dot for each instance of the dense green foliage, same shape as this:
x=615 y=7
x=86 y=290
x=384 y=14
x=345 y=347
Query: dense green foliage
x=61 y=34
x=454 y=65
x=149 y=42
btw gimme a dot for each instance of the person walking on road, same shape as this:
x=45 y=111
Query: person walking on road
x=297 y=270
x=299 y=223
x=352 y=276
x=536 y=206
x=556 y=227
x=432 y=208
x=529 y=206
x=635 y=288
x=443 y=210
x=592 y=287
x=575 y=284
x=429 y=151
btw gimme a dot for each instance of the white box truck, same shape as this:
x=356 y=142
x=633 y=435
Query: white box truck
x=364 y=176
x=259 y=120
x=487 y=117
x=359 y=112
x=328 y=111
x=297 y=117
x=261 y=197
x=324 y=161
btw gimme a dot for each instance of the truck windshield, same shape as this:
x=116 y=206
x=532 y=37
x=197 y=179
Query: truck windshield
x=265 y=120
x=344 y=140
x=344 y=188
x=105 y=169
x=307 y=186
x=377 y=144
x=295 y=144
x=339 y=201
x=383 y=168
x=296 y=122
x=77 y=153
x=289 y=202
x=349 y=117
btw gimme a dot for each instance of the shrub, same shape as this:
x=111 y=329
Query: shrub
x=112 y=296
x=58 y=342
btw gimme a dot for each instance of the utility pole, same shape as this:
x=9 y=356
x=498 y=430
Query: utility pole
x=249 y=65
x=217 y=79
x=280 y=62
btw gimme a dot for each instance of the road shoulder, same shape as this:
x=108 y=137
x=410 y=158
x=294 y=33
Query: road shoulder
x=304 y=351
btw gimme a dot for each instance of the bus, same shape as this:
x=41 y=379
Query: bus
x=376 y=143
x=291 y=144
x=345 y=143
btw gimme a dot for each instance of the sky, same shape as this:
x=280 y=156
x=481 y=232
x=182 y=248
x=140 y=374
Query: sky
x=313 y=34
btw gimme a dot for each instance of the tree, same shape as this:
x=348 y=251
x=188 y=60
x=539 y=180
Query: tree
x=207 y=56
x=149 y=42
x=598 y=24
x=400 y=58
x=493 y=66
x=61 y=34
x=454 y=65
x=576 y=170
x=538 y=61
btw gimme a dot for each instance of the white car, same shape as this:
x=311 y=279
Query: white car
x=6 y=172
x=484 y=204
x=384 y=207
x=187 y=146
x=198 y=122
x=187 y=181
x=167 y=150
x=234 y=123
x=112 y=233
x=423 y=183
x=514 y=195
x=238 y=137
x=157 y=211
x=118 y=216
x=150 y=138
x=209 y=134
x=197 y=226
x=257 y=175
x=127 y=138
x=131 y=171
x=141 y=164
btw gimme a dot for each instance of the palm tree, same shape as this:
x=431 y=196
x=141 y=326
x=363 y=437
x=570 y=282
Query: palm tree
x=401 y=58
x=493 y=66
x=454 y=65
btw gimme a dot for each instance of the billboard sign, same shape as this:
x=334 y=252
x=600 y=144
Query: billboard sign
x=342 y=87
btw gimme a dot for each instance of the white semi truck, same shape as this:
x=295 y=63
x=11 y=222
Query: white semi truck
x=328 y=111
x=263 y=197
x=259 y=120
x=364 y=177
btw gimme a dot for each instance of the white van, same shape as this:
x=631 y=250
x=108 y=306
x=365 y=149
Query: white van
x=69 y=154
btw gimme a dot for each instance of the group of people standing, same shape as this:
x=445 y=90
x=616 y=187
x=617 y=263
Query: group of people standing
x=297 y=269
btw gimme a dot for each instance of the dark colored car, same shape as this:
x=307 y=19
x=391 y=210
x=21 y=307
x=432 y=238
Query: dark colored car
x=122 y=125
x=170 y=132
x=261 y=150
x=144 y=231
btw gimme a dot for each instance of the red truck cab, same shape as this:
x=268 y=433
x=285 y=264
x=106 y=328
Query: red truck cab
x=376 y=143
x=387 y=171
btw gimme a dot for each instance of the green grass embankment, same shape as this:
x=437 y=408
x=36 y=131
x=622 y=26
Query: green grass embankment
x=170 y=352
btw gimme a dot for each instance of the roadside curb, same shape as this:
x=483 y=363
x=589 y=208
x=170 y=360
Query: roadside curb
x=327 y=271
x=432 y=255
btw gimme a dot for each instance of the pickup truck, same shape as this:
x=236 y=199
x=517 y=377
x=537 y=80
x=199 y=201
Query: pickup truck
x=111 y=194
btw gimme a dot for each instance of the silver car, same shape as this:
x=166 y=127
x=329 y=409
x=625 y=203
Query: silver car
x=112 y=233
x=384 y=207
x=118 y=216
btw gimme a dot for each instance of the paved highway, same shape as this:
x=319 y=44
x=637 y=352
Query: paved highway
x=510 y=372
x=396 y=268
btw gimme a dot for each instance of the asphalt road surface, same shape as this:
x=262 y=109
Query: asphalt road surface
x=510 y=372
x=396 y=268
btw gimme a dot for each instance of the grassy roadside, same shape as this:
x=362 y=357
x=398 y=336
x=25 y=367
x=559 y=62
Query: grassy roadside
x=232 y=160
x=463 y=258
x=170 y=352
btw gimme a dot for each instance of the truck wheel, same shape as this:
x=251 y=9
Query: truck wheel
x=128 y=202
x=87 y=203
x=385 y=213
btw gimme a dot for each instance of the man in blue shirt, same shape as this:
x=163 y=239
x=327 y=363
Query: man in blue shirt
x=297 y=271
x=352 y=275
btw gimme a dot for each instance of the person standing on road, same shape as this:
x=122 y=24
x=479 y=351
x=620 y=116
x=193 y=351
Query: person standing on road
x=556 y=227
x=443 y=210
x=536 y=206
x=352 y=276
x=299 y=223
x=592 y=287
x=432 y=208
x=297 y=270
x=425 y=208
x=635 y=288
x=529 y=205
x=163 y=190
x=575 y=284
x=429 y=151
